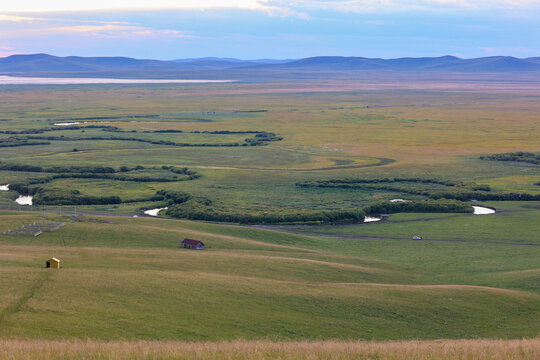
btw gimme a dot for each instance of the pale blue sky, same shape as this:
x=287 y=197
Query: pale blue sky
x=249 y=29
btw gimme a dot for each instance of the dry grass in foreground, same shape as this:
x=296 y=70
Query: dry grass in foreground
x=417 y=350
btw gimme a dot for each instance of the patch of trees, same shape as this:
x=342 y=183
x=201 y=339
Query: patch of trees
x=192 y=174
x=16 y=141
x=260 y=138
x=519 y=156
x=201 y=209
x=50 y=178
x=194 y=208
x=172 y=197
x=57 y=197
x=185 y=206
x=462 y=191
x=47 y=196
x=98 y=172
x=340 y=182
x=431 y=206
x=61 y=169
x=56 y=128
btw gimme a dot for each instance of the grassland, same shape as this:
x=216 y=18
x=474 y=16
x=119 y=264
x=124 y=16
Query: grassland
x=336 y=350
x=125 y=278
x=323 y=127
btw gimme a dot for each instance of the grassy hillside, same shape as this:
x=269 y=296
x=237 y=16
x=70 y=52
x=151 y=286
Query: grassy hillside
x=126 y=278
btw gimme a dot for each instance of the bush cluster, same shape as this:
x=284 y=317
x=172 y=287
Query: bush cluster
x=16 y=141
x=59 y=197
x=201 y=209
x=520 y=156
x=431 y=206
x=260 y=138
x=453 y=190
x=74 y=197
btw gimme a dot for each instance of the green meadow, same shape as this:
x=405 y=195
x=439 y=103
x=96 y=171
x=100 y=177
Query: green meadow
x=127 y=278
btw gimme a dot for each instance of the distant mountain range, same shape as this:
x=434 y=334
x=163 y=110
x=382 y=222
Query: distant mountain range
x=50 y=63
x=44 y=63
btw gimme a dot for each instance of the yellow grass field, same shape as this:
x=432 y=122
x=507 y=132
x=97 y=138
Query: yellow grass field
x=525 y=349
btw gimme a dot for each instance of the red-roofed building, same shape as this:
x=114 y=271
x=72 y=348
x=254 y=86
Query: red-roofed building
x=193 y=244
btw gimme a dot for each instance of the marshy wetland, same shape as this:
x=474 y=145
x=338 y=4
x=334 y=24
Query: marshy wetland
x=276 y=179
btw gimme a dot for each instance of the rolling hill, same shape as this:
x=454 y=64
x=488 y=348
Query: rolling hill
x=443 y=63
x=44 y=63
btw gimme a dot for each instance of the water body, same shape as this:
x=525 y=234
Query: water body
x=480 y=210
x=372 y=219
x=66 y=123
x=4 y=187
x=154 y=212
x=24 y=200
x=15 y=80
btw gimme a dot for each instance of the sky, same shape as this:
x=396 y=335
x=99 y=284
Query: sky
x=277 y=29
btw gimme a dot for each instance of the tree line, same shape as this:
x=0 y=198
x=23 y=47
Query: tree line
x=462 y=191
x=185 y=206
x=519 y=156
x=47 y=196
x=260 y=138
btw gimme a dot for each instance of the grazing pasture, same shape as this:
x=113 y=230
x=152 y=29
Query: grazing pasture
x=129 y=278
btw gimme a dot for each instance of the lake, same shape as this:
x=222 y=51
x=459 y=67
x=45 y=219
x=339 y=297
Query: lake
x=15 y=80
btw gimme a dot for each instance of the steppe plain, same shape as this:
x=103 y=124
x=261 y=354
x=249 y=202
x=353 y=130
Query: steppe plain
x=276 y=291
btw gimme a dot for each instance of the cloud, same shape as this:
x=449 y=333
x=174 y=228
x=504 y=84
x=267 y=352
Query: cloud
x=282 y=8
x=16 y=18
x=98 y=31
x=70 y=5
x=40 y=6
x=368 y=6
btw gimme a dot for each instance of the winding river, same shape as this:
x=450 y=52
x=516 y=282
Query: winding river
x=154 y=212
x=481 y=210
x=24 y=200
x=369 y=219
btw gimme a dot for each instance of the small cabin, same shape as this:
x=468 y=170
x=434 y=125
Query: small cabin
x=193 y=244
x=53 y=263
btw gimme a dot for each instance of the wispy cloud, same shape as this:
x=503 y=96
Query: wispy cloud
x=100 y=30
x=17 y=18
x=62 y=5
x=367 y=6
x=11 y=11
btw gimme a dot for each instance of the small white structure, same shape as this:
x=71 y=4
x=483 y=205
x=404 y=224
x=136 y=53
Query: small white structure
x=416 y=237
x=53 y=263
